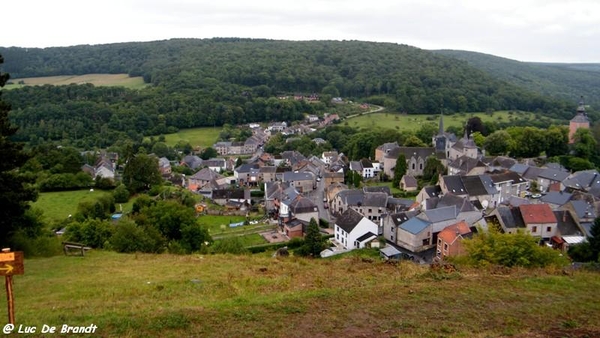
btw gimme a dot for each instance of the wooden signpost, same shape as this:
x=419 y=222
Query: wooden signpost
x=11 y=263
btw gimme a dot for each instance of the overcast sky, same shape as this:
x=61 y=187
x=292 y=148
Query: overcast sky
x=525 y=30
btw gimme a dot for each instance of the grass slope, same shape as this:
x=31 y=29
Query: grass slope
x=60 y=204
x=197 y=137
x=414 y=122
x=259 y=296
x=96 y=79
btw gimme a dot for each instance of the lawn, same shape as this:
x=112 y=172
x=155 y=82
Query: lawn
x=197 y=137
x=59 y=205
x=122 y=80
x=144 y=295
x=412 y=122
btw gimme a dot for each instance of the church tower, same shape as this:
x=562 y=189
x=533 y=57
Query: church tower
x=579 y=121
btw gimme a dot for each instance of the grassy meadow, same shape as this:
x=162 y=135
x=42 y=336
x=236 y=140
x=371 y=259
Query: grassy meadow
x=412 y=122
x=59 y=205
x=197 y=137
x=122 y=80
x=143 y=295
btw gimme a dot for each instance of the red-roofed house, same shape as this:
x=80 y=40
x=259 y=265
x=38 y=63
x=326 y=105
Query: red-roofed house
x=539 y=219
x=450 y=239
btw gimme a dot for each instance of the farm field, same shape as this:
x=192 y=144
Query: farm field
x=96 y=79
x=145 y=295
x=414 y=122
x=197 y=137
x=59 y=205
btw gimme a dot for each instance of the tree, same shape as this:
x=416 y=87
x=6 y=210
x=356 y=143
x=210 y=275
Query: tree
x=478 y=138
x=208 y=153
x=15 y=191
x=497 y=143
x=585 y=144
x=399 y=170
x=313 y=240
x=595 y=239
x=433 y=169
x=160 y=149
x=413 y=141
x=557 y=138
x=121 y=194
x=141 y=172
x=475 y=124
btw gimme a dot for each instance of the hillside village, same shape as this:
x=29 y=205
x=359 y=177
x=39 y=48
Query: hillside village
x=478 y=192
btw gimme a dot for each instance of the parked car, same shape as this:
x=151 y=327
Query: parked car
x=536 y=196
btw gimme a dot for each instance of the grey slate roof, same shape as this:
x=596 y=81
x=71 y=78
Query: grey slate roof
x=402 y=217
x=231 y=194
x=192 y=161
x=441 y=214
x=475 y=186
x=410 y=181
x=511 y=217
x=449 y=199
x=375 y=199
x=351 y=197
x=581 y=117
x=532 y=173
x=356 y=166
x=206 y=174
x=567 y=226
x=247 y=167
x=556 y=197
x=433 y=191
x=399 y=203
x=583 y=209
x=409 y=152
x=302 y=204
x=366 y=236
x=414 y=225
x=383 y=189
x=519 y=168
x=464 y=164
x=348 y=220
x=292 y=176
x=554 y=175
x=507 y=176
x=582 y=180
x=292 y=156
x=454 y=184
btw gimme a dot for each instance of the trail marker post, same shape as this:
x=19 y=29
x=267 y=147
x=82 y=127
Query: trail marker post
x=11 y=263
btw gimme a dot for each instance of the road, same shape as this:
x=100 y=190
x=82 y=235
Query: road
x=317 y=196
x=376 y=110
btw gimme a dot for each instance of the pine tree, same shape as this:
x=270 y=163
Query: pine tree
x=399 y=170
x=313 y=241
x=15 y=192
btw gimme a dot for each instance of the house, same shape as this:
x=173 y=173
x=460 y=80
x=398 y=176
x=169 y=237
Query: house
x=164 y=166
x=583 y=180
x=247 y=174
x=222 y=148
x=331 y=190
x=507 y=219
x=312 y=118
x=104 y=170
x=414 y=235
x=333 y=178
x=88 y=169
x=303 y=181
x=277 y=127
x=465 y=165
x=449 y=242
x=224 y=196
x=191 y=161
x=408 y=183
x=508 y=184
x=292 y=157
x=267 y=174
x=329 y=156
x=201 y=178
x=391 y=222
x=353 y=230
x=428 y=192
x=539 y=220
x=274 y=194
x=302 y=208
x=547 y=177
x=295 y=228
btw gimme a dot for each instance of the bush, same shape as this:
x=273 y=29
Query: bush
x=45 y=245
x=520 y=249
x=129 y=237
x=121 y=194
x=232 y=245
x=92 y=232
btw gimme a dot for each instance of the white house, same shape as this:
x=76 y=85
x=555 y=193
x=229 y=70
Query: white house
x=353 y=230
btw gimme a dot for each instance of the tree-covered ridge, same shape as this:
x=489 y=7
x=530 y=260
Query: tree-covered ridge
x=561 y=80
x=401 y=77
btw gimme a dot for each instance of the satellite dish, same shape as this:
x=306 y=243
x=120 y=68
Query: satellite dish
x=485 y=204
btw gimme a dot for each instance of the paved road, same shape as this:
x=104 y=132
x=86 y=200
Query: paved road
x=376 y=110
x=317 y=196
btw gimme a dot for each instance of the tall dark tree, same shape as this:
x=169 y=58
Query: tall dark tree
x=313 y=241
x=15 y=191
x=475 y=124
x=399 y=170
x=141 y=172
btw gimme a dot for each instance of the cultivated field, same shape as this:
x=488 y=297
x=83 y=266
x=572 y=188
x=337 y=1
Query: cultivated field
x=413 y=122
x=96 y=79
x=143 y=295
x=197 y=137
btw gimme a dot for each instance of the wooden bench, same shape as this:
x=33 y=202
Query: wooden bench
x=71 y=248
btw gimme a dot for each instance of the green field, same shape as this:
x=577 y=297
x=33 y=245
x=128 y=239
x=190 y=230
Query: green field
x=59 y=205
x=197 y=137
x=413 y=122
x=122 y=80
x=143 y=295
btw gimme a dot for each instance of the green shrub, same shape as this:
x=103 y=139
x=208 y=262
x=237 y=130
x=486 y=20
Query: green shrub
x=232 y=245
x=121 y=194
x=129 y=237
x=92 y=232
x=45 y=245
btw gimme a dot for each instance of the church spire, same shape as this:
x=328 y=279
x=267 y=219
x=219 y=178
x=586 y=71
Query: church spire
x=441 y=130
x=581 y=108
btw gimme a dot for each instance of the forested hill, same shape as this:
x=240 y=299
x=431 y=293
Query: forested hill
x=401 y=77
x=566 y=81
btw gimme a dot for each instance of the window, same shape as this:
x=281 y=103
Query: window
x=426 y=241
x=392 y=238
x=534 y=229
x=549 y=229
x=413 y=166
x=439 y=241
x=445 y=247
x=337 y=236
x=370 y=210
x=420 y=166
